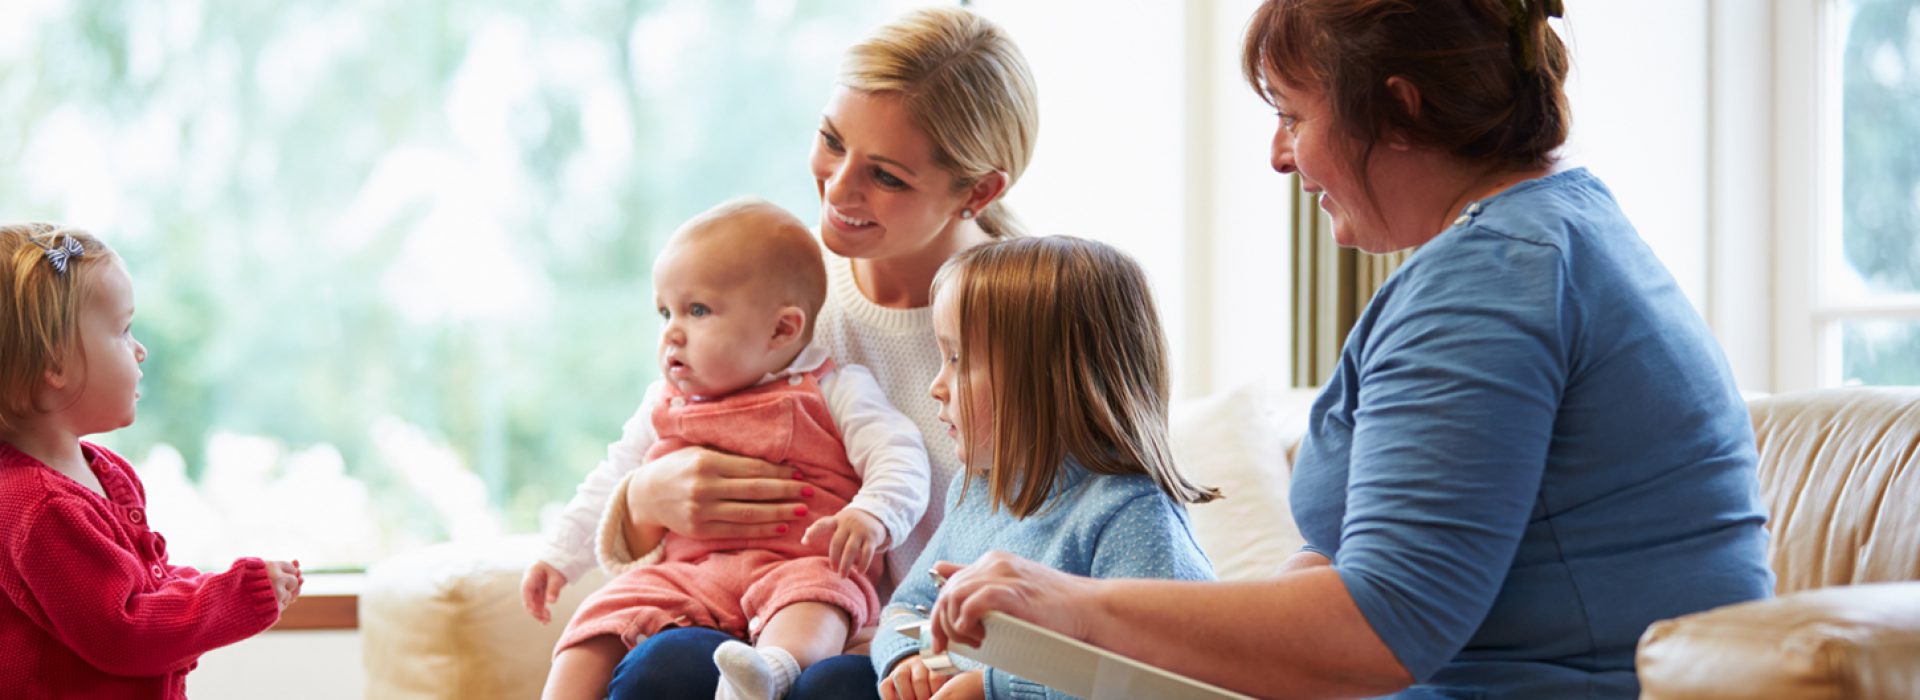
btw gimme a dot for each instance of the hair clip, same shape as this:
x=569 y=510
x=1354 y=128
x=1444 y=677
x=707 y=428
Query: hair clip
x=59 y=254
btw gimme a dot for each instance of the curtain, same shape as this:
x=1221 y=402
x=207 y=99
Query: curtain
x=1331 y=286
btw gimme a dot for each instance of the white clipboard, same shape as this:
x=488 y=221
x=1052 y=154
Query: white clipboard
x=1074 y=667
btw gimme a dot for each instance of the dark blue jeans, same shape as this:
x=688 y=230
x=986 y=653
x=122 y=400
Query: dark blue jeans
x=677 y=664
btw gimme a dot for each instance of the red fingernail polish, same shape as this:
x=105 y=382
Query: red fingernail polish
x=796 y=476
x=782 y=529
x=806 y=492
x=801 y=510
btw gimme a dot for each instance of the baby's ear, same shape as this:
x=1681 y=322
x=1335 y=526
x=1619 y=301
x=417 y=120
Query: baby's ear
x=789 y=326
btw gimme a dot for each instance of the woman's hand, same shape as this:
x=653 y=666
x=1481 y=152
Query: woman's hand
x=1006 y=583
x=539 y=588
x=699 y=493
x=912 y=680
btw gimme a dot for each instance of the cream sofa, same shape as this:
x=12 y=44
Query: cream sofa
x=446 y=622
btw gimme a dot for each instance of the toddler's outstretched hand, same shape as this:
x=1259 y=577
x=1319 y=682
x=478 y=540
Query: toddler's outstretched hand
x=856 y=535
x=286 y=580
x=539 y=588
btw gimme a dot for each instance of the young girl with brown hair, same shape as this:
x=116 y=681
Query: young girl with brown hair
x=1053 y=385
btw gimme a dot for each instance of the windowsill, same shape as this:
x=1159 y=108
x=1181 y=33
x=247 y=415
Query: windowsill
x=326 y=602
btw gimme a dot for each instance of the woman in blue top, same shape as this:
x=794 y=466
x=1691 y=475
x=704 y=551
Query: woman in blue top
x=1532 y=447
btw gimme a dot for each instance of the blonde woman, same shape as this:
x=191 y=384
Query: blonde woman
x=933 y=120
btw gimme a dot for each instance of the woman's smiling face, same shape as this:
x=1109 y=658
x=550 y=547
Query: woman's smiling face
x=1307 y=141
x=882 y=192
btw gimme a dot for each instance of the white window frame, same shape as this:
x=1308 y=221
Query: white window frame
x=1807 y=166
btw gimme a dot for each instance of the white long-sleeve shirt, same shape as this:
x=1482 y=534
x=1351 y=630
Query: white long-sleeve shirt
x=884 y=446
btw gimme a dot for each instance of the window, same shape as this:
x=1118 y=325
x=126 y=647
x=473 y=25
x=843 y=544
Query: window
x=391 y=256
x=1863 y=180
x=1870 y=274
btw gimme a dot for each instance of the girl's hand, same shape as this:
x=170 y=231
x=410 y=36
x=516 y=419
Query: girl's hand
x=539 y=588
x=1006 y=583
x=971 y=685
x=286 y=580
x=912 y=680
x=699 y=493
x=855 y=534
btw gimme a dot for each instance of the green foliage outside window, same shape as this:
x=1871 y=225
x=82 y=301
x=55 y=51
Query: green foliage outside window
x=388 y=246
x=1880 y=188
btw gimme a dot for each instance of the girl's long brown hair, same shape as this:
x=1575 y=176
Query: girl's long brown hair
x=1068 y=331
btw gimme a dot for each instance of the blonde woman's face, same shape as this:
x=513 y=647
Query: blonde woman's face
x=882 y=194
x=970 y=427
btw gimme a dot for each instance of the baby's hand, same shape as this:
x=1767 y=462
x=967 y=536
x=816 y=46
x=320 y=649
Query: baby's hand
x=855 y=534
x=912 y=680
x=539 y=588
x=286 y=580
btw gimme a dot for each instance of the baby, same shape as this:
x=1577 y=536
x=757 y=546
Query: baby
x=738 y=288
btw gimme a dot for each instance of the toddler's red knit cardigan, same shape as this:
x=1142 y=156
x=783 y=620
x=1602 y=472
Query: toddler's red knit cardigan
x=92 y=609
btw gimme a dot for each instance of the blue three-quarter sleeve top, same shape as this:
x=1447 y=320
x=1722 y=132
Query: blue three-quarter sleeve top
x=1532 y=449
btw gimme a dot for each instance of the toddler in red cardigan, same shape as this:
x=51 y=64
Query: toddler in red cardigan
x=91 y=608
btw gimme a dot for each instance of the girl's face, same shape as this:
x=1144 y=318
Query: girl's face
x=970 y=425
x=1308 y=142
x=882 y=194
x=100 y=376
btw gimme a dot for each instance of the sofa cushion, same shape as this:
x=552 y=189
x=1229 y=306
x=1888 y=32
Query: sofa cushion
x=446 y=622
x=1840 y=478
x=1238 y=441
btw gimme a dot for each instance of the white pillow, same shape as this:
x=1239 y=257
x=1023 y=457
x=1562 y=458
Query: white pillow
x=1237 y=441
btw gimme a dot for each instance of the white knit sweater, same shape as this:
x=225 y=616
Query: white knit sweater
x=897 y=346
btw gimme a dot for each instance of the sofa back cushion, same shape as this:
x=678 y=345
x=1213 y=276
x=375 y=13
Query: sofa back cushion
x=1237 y=441
x=1840 y=478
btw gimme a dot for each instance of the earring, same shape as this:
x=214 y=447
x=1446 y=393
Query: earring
x=966 y=213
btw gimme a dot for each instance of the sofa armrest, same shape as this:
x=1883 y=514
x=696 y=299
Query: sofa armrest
x=446 y=622
x=1839 y=642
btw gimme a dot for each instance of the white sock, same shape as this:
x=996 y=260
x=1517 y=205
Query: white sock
x=747 y=673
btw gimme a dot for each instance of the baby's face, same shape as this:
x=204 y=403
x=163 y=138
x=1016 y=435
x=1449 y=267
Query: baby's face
x=718 y=335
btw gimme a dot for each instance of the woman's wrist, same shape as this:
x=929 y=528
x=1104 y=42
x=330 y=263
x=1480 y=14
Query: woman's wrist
x=639 y=516
x=1094 y=621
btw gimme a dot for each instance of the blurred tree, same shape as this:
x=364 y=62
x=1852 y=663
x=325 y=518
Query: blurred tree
x=441 y=211
x=1880 y=212
x=1881 y=116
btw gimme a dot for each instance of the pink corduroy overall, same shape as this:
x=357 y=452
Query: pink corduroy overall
x=734 y=585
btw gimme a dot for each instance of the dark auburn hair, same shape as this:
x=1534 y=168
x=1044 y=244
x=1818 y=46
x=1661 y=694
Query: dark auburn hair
x=1067 y=330
x=1489 y=72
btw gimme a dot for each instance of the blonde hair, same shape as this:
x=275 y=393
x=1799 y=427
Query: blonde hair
x=770 y=247
x=41 y=307
x=966 y=85
x=1068 y=331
